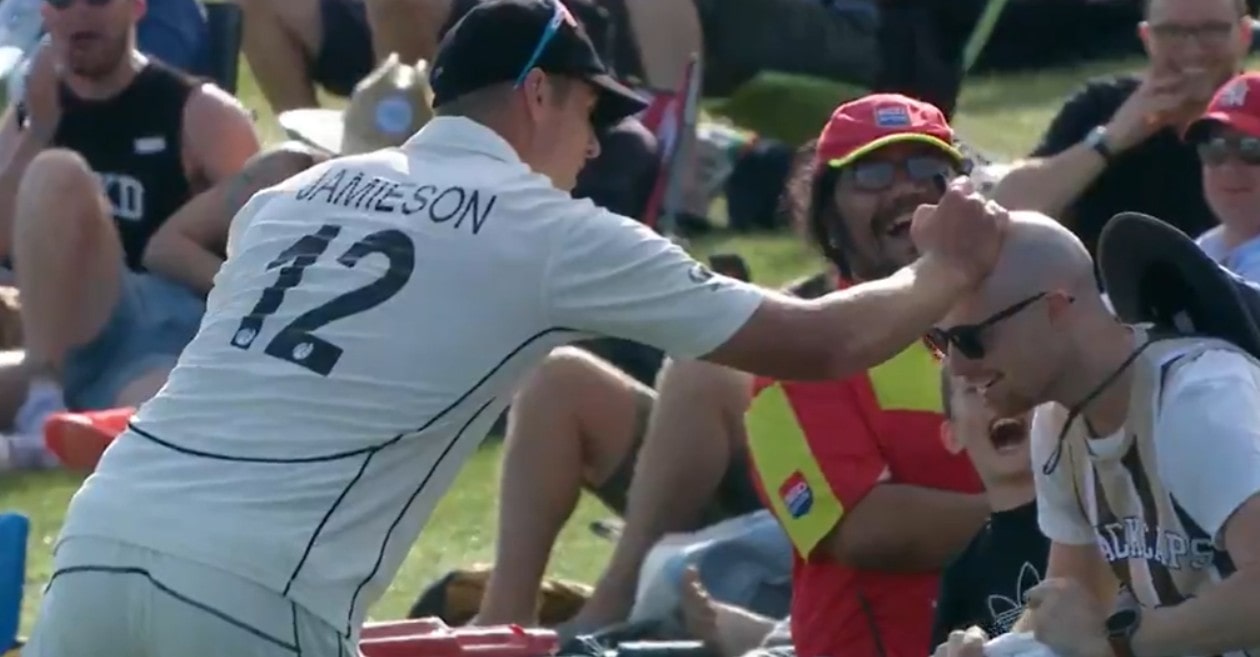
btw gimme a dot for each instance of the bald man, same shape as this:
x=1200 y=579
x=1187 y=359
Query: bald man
x=1146 y=451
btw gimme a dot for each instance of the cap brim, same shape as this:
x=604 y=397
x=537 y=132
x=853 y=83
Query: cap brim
x=1199 y=129
x=616 y=100
x=321 y=128
x=1153 y=273
x=898 y=138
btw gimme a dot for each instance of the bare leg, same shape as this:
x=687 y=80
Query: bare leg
x=67 y=255
x=68 y=269
x=730 y=630
x=695 y=428
x=667 y=33
x=571 y=425
x=280 y=41
x=407 y=27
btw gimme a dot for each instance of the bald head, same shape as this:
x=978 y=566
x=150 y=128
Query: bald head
x=1038 y=255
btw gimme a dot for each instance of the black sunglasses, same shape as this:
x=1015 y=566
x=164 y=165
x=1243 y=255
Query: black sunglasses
x=63 y=4
x=1215 y=151
x=878 y=175
x=966 y=338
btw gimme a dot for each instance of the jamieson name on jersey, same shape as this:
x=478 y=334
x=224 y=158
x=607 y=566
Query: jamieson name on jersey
x=350 y=188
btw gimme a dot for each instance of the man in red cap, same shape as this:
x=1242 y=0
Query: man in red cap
x=856 y=470
x=1227 y=138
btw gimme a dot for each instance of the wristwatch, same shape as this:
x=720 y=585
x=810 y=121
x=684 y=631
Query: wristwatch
x=1123 y=623
x=1097 y=140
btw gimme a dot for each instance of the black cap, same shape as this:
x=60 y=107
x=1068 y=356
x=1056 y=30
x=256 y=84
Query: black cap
x=494 y=41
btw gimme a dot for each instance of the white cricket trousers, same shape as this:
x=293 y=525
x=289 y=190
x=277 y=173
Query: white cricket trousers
x=111 y=599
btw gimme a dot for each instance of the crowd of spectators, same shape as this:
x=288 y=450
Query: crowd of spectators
x=903 y=506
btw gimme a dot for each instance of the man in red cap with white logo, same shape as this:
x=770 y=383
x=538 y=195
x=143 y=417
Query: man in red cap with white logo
x=1227 y=138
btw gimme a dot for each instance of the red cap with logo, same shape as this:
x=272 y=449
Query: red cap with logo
x=871 y=122
x=1235 y=105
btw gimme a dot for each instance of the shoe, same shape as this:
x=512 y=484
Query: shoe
x=79 y=439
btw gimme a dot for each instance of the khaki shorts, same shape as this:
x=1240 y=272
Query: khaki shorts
x=111 y=599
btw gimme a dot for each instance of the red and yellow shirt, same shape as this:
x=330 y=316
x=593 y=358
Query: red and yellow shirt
x=817 y=448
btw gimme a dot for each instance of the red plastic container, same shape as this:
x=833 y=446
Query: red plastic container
x=430 y=637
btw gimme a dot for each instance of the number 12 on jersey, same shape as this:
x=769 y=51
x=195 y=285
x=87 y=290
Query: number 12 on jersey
x=296 y=342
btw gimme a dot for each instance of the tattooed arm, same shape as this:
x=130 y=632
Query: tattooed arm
x=190 y=246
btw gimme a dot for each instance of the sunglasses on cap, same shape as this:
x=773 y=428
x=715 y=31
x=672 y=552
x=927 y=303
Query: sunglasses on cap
x=968 y=338
x=1215 y=151
x=64 y=4
x=879 y=175
x=560 y=17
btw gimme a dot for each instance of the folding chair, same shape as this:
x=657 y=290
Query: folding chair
x=14 y=529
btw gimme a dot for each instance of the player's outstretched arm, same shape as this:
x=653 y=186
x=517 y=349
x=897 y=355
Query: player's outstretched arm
x=854 y=329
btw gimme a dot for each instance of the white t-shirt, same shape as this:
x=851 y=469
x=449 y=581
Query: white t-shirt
x=369 y=325
x=1206 y=458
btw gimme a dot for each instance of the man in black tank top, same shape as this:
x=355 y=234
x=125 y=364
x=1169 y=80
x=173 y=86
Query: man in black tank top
x=112 y=205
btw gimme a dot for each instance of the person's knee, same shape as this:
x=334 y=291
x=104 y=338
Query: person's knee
x=58 y=178
x=570 y=374
x=58 y=170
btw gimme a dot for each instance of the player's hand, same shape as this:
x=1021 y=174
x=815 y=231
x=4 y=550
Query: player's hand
x=42 y=98
x=964 y=231
x=1068 y=619
x=969 y=643
x=1163 y=98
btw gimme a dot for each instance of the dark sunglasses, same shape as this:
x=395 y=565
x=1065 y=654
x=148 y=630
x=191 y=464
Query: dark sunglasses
x=561 y=16
x=1215 y=151
x=878 y=175
x=63 y=4
x=967 y=338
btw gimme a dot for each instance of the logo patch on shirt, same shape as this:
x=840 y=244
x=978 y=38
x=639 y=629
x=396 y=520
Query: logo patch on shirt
x=150 y=145
x=797 y=495
x=892 y=116
x=699 y=273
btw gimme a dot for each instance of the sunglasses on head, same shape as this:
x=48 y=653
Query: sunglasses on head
x=561 y=16
x=63 y=4
x=878 y=175
x=968 y=338
x=1215 y=151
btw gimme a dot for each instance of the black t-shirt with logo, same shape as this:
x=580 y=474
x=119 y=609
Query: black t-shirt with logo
x=133 y=142
x=987 y=583
x=1160 y=176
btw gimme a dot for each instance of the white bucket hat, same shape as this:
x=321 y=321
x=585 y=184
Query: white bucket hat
x=387 y=107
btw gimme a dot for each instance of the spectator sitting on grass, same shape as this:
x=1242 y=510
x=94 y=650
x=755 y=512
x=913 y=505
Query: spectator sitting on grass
x=1227 y=138
x=79 y=439
x=292 y=45
x=854 y=469
x=1116 y=145
x=987 y=584
x=111 y=254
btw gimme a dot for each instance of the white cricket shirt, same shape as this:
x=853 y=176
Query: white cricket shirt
x=371 y=321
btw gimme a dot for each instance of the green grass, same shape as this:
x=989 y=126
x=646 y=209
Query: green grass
x=1001 y=115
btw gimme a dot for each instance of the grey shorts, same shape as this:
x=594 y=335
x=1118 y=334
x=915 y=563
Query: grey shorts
x=111 y=599
x=152 y=323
